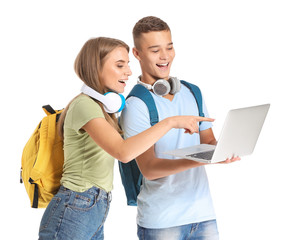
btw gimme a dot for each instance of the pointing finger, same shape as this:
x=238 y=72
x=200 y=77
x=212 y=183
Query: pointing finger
x=201 y=119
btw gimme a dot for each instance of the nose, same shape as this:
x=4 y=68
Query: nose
x=128 y=71
x=164 y=55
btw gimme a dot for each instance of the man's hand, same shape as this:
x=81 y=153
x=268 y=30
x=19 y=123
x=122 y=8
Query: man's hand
x=233 y=159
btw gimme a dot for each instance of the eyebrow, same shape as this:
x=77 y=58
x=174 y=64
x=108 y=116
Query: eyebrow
x=121 y=61
x=155 y=46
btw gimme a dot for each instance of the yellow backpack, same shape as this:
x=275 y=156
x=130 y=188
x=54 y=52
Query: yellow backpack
x=42 y=160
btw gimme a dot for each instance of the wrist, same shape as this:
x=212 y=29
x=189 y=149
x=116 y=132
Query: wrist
x=170 y=121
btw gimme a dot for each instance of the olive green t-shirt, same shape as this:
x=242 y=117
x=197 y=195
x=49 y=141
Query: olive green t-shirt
x=85 y=163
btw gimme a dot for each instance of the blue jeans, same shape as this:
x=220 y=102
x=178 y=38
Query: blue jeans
x=197 y=231
x=73 y=215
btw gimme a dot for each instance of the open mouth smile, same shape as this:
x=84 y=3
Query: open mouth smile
x=163 y=65
x=122 y=81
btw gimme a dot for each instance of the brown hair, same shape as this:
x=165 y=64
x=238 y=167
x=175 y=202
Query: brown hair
x=88 y=64
x=148 y=24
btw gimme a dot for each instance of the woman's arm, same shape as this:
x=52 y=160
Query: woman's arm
x=126 y=150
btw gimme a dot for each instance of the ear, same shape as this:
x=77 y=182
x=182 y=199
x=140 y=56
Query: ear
x=136 y=53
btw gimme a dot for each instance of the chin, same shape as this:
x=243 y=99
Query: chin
x=163 y=76
x=120 y=90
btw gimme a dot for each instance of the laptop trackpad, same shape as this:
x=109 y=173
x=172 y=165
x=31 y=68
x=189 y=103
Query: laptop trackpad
x=208 y=155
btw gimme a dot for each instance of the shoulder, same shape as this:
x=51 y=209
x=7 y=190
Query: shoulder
x=135 y=104
x=134 y=117
x=191 y=91
x=83 y=105
x=84 y=101
x=187 y=87
x=135 y=110
x=81 y=110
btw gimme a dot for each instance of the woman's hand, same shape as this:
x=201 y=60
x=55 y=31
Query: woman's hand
x=189 y=123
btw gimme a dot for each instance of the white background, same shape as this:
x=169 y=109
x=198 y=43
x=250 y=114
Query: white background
x=236 y=51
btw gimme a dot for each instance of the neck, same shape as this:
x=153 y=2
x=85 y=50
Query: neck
x=169 y=97
x=148 y=79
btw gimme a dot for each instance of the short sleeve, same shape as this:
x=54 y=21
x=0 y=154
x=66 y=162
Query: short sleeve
x=205 y=125
x=81 y=111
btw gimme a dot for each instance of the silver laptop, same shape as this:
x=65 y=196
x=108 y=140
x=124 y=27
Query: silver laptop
x=238 y=137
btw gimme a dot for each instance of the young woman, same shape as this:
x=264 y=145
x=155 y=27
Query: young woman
x=92 y=141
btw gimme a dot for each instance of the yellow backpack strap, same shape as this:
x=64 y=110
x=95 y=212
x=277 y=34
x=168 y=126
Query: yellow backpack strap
x=47 y=138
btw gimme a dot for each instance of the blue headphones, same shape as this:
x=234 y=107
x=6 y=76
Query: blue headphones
x=112 y=102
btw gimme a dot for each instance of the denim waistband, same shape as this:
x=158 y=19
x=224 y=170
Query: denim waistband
x=94 y=190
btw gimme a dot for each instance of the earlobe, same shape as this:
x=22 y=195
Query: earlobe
x=136 y=53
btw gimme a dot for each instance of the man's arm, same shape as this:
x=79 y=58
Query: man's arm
x=135 y=119
x=153 y=168
x=207 y=137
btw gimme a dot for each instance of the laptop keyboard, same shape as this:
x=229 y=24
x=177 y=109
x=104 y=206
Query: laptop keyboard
x=203 y=155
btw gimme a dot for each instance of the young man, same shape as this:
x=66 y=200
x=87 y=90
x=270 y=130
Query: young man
x=175 y=201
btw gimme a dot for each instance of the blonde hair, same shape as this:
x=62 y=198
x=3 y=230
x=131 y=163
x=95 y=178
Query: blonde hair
x=88 y=65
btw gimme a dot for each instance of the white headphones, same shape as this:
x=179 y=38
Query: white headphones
x=162 y=87
x=112 y=102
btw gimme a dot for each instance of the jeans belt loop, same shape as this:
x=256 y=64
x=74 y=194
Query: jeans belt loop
x=109 y=196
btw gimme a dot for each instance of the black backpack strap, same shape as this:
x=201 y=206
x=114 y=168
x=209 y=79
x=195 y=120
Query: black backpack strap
x=35 y=194
x=49 y=109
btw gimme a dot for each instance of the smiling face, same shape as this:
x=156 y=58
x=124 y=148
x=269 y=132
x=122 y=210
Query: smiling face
x=155 y=54
x=115 y=70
